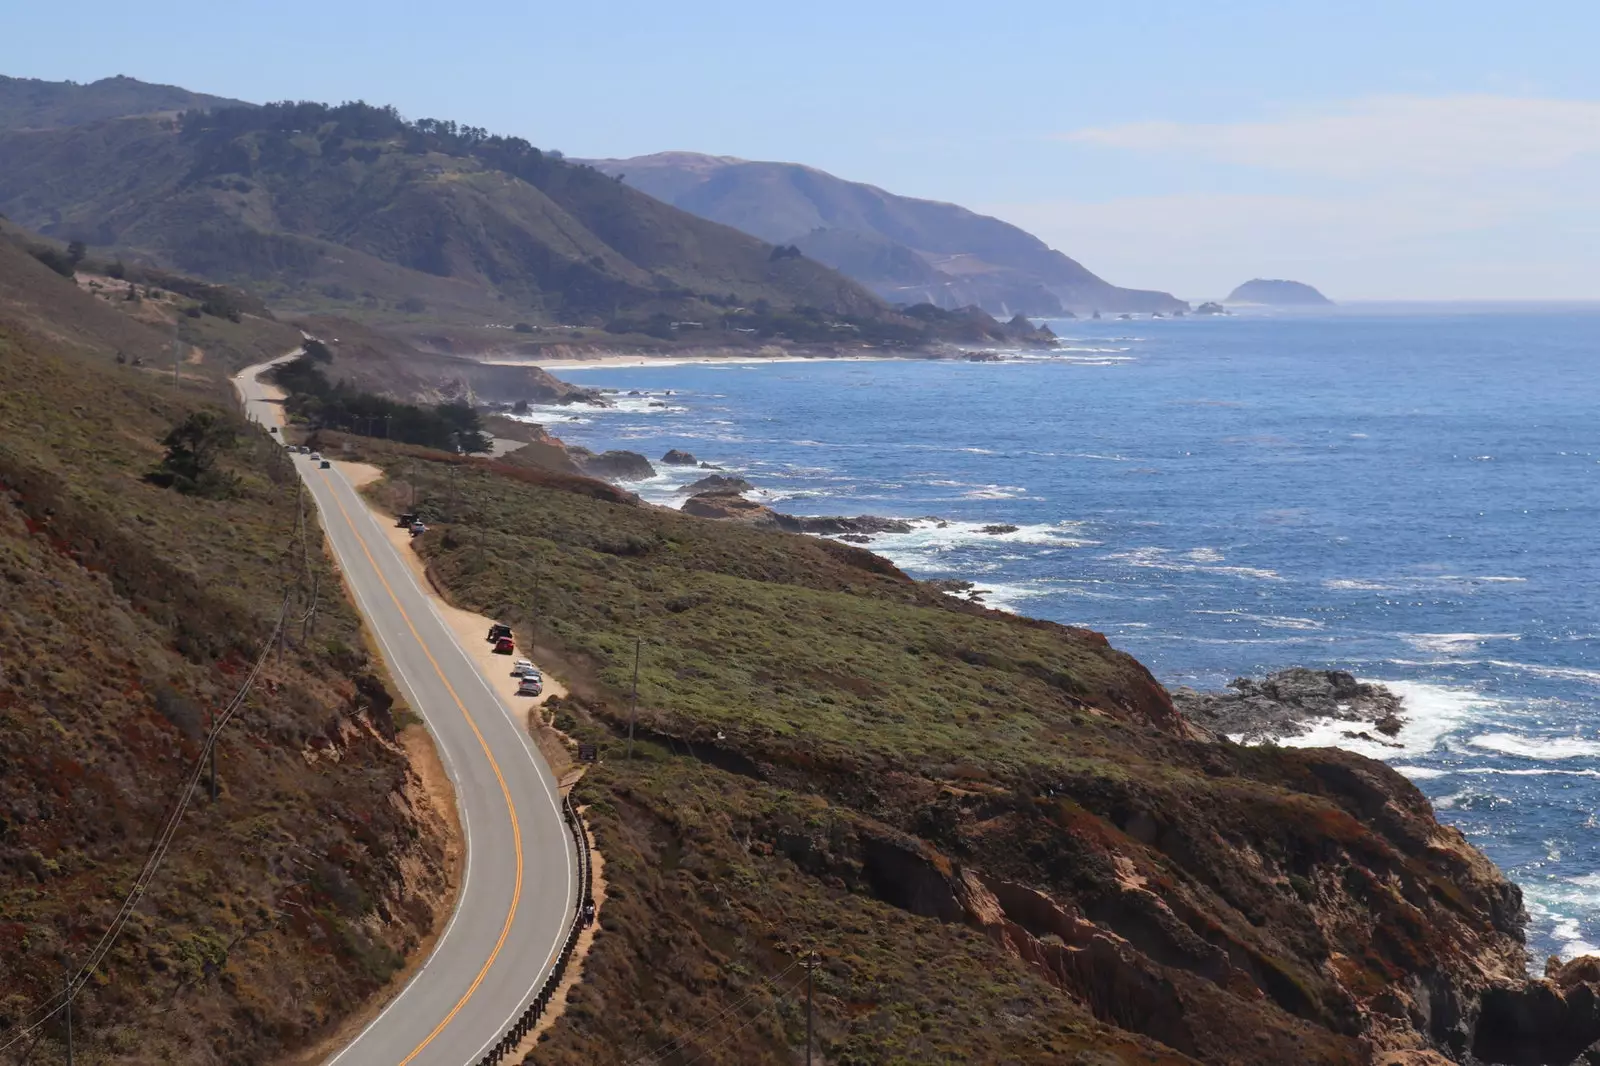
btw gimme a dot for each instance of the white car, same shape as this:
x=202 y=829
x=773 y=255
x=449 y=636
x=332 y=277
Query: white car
x=530 y=686
x=316 y=457
x=524 y=667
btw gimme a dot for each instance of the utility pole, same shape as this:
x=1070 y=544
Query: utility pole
x=633 y=699
x=533 y=639
x=413 y=486
x=213 y=758
x=177 y=354
x=69 y=1019
x=811 y=964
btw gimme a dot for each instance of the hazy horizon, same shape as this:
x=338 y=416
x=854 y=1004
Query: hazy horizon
x=1435 y=153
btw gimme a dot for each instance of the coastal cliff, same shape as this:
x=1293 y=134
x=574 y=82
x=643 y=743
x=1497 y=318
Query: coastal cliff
x=968 y=815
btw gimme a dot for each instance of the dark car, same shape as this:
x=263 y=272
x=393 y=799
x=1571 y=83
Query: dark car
x=498 y=630
x=326 y=465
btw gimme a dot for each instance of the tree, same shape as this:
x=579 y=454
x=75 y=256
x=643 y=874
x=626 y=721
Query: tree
x=56 y=260
x=76 y=251
x=194 y=447
x=317 y=351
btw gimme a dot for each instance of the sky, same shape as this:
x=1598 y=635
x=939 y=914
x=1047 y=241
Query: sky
x=1394 y=150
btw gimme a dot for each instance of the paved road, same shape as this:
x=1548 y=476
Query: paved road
x=520 y=884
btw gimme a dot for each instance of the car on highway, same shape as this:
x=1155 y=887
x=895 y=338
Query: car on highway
x=326 y=465
x=505 y=646
x=530 y=686
x=315 y=456
x=523 y=667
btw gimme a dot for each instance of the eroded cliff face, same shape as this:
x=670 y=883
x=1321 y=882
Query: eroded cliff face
x=1287 y=906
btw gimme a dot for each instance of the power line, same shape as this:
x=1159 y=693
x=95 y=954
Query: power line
x=780 y=975
x=158 y=850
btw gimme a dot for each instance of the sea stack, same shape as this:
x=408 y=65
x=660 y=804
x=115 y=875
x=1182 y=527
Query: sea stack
x=1275 y=292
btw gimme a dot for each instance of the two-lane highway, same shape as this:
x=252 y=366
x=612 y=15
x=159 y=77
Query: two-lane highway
x=519 y=888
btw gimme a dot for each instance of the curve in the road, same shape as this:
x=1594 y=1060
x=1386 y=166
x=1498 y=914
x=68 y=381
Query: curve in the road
x=506 y=930
x=505 y=791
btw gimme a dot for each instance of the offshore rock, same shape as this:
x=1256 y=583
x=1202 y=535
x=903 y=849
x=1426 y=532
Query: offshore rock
x=718 y=483
x=1285 y=703
x=613 y=465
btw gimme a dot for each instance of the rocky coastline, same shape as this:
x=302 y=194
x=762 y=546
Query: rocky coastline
x=1445 y=975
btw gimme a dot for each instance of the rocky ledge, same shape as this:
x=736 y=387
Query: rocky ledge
x=1285 y=704
x=722 y=498
x=612 y=465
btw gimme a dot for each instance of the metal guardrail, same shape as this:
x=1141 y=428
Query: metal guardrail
x=583 y=916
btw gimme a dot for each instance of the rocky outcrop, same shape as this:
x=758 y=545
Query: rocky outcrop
x=1285 y=703
x=718 y=483
x=730 y=506
x=678 y=457
x=1554 y=1020
x=612 y=465
x=833 y=525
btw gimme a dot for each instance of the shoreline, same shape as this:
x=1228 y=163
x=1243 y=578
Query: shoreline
x=615 y=362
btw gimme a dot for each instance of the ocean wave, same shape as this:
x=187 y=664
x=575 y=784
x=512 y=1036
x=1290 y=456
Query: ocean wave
x=1412 y=584
x=1166 y=559
x=1539 y=748
x=1452 y=642
x=1431 y=712
x=1271 y=620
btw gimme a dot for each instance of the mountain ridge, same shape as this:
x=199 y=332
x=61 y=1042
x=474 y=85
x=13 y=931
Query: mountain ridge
x=905 y=249
x=356 y=210
x=31 y=103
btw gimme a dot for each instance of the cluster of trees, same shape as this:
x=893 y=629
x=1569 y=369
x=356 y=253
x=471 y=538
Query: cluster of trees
x=451 y=427
x=195 y=448
x=63 y=263
x=333 y=126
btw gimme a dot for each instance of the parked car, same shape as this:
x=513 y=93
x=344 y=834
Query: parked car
x=505 y=646
x=418 y=529
x=406 y=521
x=530 y=686
x=523 y=667
x=498 y=630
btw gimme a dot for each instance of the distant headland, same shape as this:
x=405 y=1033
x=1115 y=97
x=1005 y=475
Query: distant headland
x=1278 y=293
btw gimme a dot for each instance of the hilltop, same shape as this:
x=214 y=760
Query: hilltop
x=1278 y=293
x=906 y=250
x=32 y=104
x=352 y=209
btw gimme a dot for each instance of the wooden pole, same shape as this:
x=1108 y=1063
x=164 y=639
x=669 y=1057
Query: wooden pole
x=633 y=699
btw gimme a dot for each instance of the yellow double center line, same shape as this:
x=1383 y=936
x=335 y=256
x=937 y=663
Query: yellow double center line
x=516 y=829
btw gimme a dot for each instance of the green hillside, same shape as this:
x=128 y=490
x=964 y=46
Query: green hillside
x=31 y=104
x=997 y=833
x=904 y=249
x=353 y=208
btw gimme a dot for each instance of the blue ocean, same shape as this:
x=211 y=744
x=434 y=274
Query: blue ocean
x=1412 y=494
